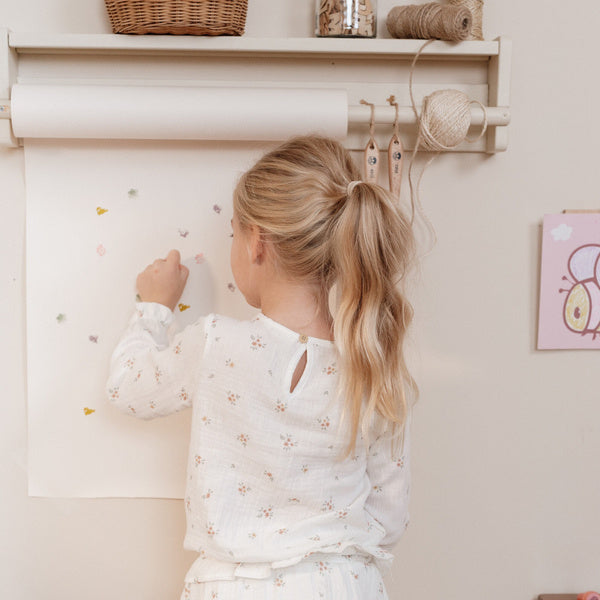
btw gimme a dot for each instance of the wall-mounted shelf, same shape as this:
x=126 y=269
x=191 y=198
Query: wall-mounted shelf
x=367 y=68
x=40 y=43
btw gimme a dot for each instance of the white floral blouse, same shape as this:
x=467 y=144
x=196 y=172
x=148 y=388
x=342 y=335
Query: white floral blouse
x=266 y=486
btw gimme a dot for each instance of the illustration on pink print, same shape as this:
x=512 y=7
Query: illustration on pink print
x=582 y=305
x=569 y=307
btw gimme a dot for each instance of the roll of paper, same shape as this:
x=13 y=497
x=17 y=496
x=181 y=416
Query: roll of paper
x=176 y=113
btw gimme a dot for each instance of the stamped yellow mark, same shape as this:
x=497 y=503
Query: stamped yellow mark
x=88 y=411
x=101 y=210
x=183 y=307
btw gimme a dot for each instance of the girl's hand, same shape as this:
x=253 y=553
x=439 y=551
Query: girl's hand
x=163 y=281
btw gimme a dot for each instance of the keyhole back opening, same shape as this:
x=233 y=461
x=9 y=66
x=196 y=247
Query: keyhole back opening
x=299 y=371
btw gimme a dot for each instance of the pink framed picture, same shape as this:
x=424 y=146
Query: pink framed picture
x=569 y=310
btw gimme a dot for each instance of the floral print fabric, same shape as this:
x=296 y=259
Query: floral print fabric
x=322 y=577
x=267 y=488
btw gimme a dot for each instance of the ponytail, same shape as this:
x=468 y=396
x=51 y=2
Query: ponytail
x=371 y=249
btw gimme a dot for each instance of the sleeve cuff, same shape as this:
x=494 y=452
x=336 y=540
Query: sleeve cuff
x=154 y=311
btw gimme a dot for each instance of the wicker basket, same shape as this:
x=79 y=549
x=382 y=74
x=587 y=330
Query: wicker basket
x=179 y=17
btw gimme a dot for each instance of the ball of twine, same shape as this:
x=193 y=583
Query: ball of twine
x=445 y=120
x=445 y=115
x=430 y=21
x=476 y=8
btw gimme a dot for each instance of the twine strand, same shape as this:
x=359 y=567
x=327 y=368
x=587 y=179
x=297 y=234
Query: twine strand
x=392 y=101
x=442 y=125
x=372 y=121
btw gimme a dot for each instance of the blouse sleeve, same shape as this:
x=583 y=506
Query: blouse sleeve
x=389 y=472
x=153 y=373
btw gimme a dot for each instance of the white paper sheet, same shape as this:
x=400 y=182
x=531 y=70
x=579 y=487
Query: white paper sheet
x=97 y=213
x=175 y=113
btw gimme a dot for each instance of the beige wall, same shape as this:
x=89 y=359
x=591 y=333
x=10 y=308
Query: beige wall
x=507 y=439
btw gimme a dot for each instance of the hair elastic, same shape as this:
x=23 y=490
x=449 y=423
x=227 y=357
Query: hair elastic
x=351 y=186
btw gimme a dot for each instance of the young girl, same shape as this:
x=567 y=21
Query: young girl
x=298 y=466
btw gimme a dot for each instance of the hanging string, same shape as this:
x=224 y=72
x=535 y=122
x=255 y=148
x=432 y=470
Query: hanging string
x=442 y=125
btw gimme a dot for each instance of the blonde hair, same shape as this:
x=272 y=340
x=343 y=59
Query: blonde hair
x=326 y=232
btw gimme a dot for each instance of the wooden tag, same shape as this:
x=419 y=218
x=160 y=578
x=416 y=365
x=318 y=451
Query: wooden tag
x=395 y=156
x=371 y=161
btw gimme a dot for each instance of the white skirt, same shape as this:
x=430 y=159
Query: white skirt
x=320 y=577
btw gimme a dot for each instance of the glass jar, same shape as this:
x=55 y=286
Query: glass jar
x=346 y=18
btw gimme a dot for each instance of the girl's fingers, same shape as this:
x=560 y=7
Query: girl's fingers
x=174 y=257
